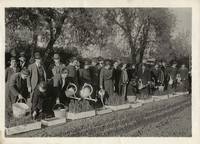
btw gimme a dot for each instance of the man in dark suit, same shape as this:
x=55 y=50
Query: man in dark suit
x=37 y=73
x=157 y=75
x=173 y=73
x=16 y=89
x=72 y=74
x=85 y=75
x=116 y=76
x=95 y=75
x=106 y=78
x=63 y=83
x=145 y=78
x=144 y=74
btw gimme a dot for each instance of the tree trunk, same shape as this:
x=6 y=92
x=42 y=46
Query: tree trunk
x=132 y=46
x=53 y=37
x=144 y=40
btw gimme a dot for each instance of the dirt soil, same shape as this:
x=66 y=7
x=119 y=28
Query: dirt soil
x=166 y=118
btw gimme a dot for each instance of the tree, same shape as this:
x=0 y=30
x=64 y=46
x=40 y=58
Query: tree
x=136 y=24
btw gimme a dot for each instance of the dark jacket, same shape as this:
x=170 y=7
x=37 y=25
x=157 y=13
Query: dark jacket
x=132 y=74
x=145 y=75
x=16 y=86
x=94 y=71
x=105 y=74
x=173 y=72
x=85 y=76
x=38 y=99
x=157 y=76
x=183 y=73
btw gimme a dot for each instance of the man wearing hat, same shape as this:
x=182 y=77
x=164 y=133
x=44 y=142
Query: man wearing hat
x=16 y=89
x=63 y=83
x=55 y=71
x=106 y=78
x=11 y=69
x=144 y=78
x=183 y=71
x=94 y=75
x=173 y=73
x=116 y=76
x=157 y=75
x=22 y=61
x=37 y=73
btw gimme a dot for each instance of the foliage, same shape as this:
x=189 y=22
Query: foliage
x=109 y=32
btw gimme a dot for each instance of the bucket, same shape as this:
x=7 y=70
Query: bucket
x=19 y=109
x=59 y=112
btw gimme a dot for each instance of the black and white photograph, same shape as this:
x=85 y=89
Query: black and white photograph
x=98 y=72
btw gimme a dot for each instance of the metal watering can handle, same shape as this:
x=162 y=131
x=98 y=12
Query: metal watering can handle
x=72 y=84
x=89 y=85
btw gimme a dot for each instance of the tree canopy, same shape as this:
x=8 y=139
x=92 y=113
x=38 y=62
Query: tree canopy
x=136 y=33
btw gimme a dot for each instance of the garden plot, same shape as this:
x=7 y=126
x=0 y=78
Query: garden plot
x=20 y=125
x=104 y=110
x=117 y=103
x=80 y=109
x=144 y=101
x=23 y=128
x=135 y=104
x=53 y=121
x=178 y=94
x=162 y=97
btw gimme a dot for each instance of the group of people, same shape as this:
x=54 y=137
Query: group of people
x=45 y=86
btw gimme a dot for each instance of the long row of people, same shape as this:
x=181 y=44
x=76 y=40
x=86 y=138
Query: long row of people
x=44 y=86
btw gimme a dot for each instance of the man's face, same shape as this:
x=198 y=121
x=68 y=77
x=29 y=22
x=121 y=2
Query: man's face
x=183 y=66
x=115 y=64
x=38 y=61
x=13 y=63
x=86 y=66
x=64 y=75
x=124 y=66
x=133 y=66
x=107 y=66
x=101 y=63
x=163 y=63
x=74 y=62
x=156 y=66
x=56 y=60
